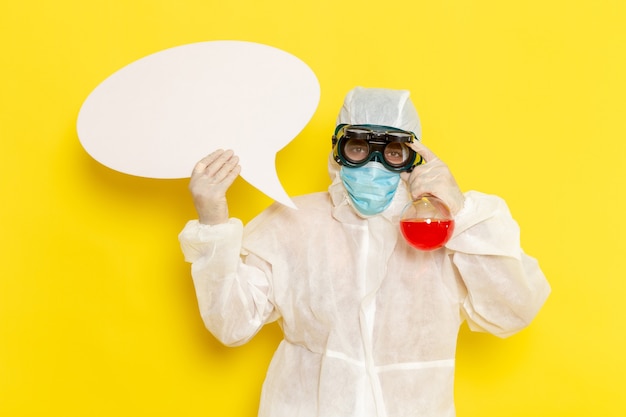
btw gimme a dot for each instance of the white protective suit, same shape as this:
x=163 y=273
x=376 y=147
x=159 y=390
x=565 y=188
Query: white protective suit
x=370 y=324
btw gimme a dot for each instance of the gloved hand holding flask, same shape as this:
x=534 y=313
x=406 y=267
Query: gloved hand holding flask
x=433 y=177
x=427 y=223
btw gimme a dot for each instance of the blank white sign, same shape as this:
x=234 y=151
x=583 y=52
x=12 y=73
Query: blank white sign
x=161 y=114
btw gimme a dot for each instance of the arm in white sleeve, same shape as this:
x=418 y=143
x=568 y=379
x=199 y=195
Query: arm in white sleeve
x=504 y=287
x=233 y=297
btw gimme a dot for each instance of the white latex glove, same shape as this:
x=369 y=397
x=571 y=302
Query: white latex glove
x=434 y=177
x=210 y=179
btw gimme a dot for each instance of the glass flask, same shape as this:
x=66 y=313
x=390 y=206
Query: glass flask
x=427 y=223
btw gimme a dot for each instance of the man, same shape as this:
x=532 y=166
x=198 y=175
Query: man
x=370 y=324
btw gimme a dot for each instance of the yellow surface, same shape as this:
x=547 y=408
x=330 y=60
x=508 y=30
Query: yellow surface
x=521 y=99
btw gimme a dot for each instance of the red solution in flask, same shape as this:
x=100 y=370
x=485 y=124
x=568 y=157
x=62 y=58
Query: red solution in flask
x=427 y=223
x=427 y=234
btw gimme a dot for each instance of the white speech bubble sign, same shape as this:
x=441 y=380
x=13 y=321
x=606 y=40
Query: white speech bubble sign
x=159 y=115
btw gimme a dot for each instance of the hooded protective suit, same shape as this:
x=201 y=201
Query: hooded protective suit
x=370 y=324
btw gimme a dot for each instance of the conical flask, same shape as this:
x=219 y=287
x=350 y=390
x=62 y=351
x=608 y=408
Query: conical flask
x=427 y=223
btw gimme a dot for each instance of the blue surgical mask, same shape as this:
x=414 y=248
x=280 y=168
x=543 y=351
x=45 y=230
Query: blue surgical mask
x=370 y=187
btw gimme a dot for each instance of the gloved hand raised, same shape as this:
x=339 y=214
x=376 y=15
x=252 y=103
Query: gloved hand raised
x=434 y=178
x=209 y=182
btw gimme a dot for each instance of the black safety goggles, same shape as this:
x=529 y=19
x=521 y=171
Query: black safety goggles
x=356 y=145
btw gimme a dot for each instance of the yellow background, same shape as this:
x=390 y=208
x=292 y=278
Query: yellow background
x=521 y=99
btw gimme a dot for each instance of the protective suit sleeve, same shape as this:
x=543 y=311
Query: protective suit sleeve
x=233 y=296
x=503 y=287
